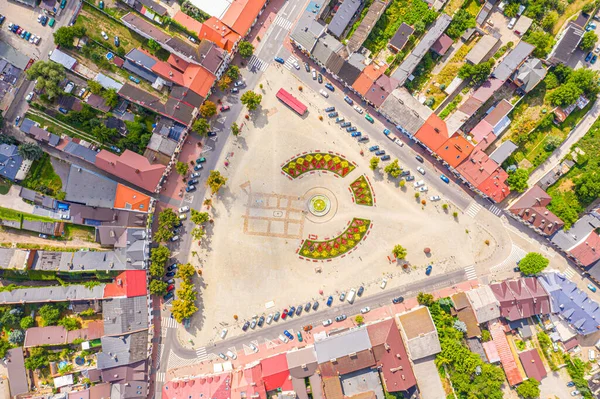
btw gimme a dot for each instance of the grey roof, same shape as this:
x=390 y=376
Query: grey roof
x=130 y=249
x=13 y=56
x=89 y=188
x=302 y=363
x=335 y=63
x=49 y=228
x=123 y=350
x=342 y=17
x=501 y=153
x=307 y=32
x=405 y=111
x=52 y=294
x=17 y=376
x=401 y=37
x=132 y=372
x=44 y=136
x=140 y=71
x=154 y=6
x=11 y=258
x=26 y=125
x=412 y=60
x=162 y=144
x=482 y=49
x=63 y=59
x=484 y=303
x=325 y=47
x=530 y=74
x=340 y=345
x=485 y=12
x=10 y=161
x=30 y=3
x=108 y=83
x=187 y=96
x=360 y=381
x=128 y=390
x=566 y=44
x=212 y=57
x=366 y=25
x=80 y=151
x=513 y=60
x=125 y=315
x=141 y=58
x=567 y=239
x=349 y=72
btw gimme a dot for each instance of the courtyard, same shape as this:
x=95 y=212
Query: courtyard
x=302 y=217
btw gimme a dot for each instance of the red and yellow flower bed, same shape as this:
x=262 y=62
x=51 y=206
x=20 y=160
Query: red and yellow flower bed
x=362 y=191
x=317 y=161
x=339 y=245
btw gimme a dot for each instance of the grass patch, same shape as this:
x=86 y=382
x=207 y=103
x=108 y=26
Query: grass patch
x=42 y=178
x=50 y=247
x=10 y=214
x=472 y=7
x=421 y=74
x=4 y=186
x=86 y=233
x=451 y=107
x=572 y=9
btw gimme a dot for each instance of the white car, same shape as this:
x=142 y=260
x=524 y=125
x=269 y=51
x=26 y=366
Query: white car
x=223 y=333
x=324 y=93
x=29 y=97
x=253 y=347
x=184 y=209
x=365 y=310
x=383 y=283
x=422 y=189
x=358 y=109
x=104 y=35
x=419 y=183
x=270 y=318
x=327 y=322
x=283 y=338
x=421 y=170
x=195 y=175
x=231 y=355
x=296 y=65
x=434 y=198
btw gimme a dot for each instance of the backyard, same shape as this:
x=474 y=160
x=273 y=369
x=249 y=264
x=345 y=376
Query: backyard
x=42 y=178
x=471 y=6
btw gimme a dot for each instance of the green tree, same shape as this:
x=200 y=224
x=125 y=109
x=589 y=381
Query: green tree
x=251 y=100
x=233 y=72
x=4 y=347
x=359 y=320
x=549 y=21
x=511 y=10
x=235 y=129
x=208 y=109
x=552 y=142
x=185 y=271
x=542 y=41
x=49 y=314
x=27 y=322
x=201 y=126
x=162 y=234
x=158 y=259
x=65 y=35
x=95 y=87
x=585 y=79
x=182 y=168
x=399 y=252
x=588 y=41
x=564 y=95
x=374 y=163
x=15 y=337
x=486 y=336
x=533 y=263
x=478 y=73
x=224 y=82
x=529 y=389
x=183 y=309
x=158 y=287
x=199 y=217
x=246 y=49
x=111 y=97
x=70 y=323
x=153 y=46
x=393 y=169
x=215 y=181
x=37 y=359
x=198 y=233
x=30 y=151
x=424 y=299
x=168 y=218
x=461 y=21
x=517 y=180
x=420 y=27
x=49 y=75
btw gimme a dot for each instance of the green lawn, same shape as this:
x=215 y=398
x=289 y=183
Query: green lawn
x=86 y=233
x=4 y=186
x=42 y=178
x=9 y=214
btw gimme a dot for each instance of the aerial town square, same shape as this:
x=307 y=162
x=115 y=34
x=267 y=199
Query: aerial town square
x=290 y=199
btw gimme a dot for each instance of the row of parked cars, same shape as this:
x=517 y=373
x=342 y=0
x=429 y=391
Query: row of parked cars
x=193 y=180
x=30 y=37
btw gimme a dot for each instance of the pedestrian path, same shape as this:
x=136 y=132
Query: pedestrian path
x=201 y=354
x=495 y=210
x=516 y=254
x=470 y=272
x=284 y=23
x=473 y=209
x=570 y=273
x=169 y=322
x=257 y=63
x=289 y=63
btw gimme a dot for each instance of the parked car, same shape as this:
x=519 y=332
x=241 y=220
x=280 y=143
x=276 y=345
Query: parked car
x=409 y=178
x=225 y=108
x=29 y=97
x=184 y=209
x=594 y=59
x=270 y=318
x=212 y=134
x=356 y=134
x=283 y=314
x=360 y=291
x=170 y=274
x=591 y=288
x=134 y=79
x=369 y=118
x=197 y=167
x=195 y=175
x=320 y=78
x=240 y=83
x=419 y=183
x=348 y=100
x=570 y=384
x=43 y=236
x=192 y=182
x=345 y=124
x=288 y=335
x=292 y=311
x=341 y=317
x=421 y=170
x=327 y=322
x=17 y=120
x=385 y=158
x=170 y=288
x=342 y=296
x=298 y=310
x=168 y=296
x=340 y=119
x=351 y=129
x=374 y=148
x=117 y=41
x=380 y=152
x=329 y=86
x=398 y=299
x=428 y=270
x=104 y=35
x=280 y=60
x=222 y=356
x=324 y=93
x=419 y=158
x=386 y=132
x=253 y=324
x=63 y=4
x=307 y=327
x=445 y=179
x=307 y=307
x=383 y=283
x=235 y=90
x=299 y=334
x=246 y=325
x=52 y=22
x=307 y=67
x=261 y=321
x=174 y=238
x=191 y=188
x=283 y=339
x=200 y=160
x=575 y=393
x=434 y=198
x=329 y=109
x=314 y=74
x=315 y=305
x=276 y=316
x=332 y=114
x=253 y=347
x=366 y=309
x=329 y=300
x=358 y=109
x=172 y=267
x=296 y=65
x=423 y=189
x=363 y=139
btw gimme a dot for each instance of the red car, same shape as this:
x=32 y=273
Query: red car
x=284 y=314
x=170 y=288
x=19 y=31
x=225 y=108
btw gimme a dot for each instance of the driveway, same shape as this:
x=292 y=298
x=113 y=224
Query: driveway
x=555 y=385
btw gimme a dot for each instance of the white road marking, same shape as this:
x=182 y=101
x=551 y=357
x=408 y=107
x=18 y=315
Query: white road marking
x=160 y=377
x=169 y=322
x=289 y=63
x=473 y=209
x=470 y=272
x=257 y=63
x=201 y=353
x=569 y=272
x=495 y=210
x=516 y=254
x=284 y=23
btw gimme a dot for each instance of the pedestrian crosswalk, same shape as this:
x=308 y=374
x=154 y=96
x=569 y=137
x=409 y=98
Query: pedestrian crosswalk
x=176 y=361
x=201 y=354
x=473 y=209
x=160 y=376
x=495 y=210
x=516 y=254
x=284 y=23
x=569 y=273
x=169 y=322
x=470 y=272
x=289 y=63
x=257 y=63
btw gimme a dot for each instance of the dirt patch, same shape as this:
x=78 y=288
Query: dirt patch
x=24 y=237
x=566 y=185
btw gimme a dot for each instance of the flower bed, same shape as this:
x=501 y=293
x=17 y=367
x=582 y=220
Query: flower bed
x=339 y=245
x=299 y=165
x=362 y=191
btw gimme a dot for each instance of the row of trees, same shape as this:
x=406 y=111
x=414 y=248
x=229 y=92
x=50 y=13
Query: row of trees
x=184 y=306
x=158 y=260
x=167 y=220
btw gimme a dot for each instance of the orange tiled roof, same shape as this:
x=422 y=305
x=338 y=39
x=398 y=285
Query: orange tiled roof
x=509 y=364
x=495 y=186
x=241 y=15
x=367 y=77
x=128 y=198
x=455 y=150
x=217 y=32
x=188 y=22
x=198 y=79
x=128 y=284
x=433 y=133
x=167 y=71
x=178 y=62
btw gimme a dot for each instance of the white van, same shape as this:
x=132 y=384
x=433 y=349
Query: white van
x=383 y=283
x=512 y=23
x=351 y=296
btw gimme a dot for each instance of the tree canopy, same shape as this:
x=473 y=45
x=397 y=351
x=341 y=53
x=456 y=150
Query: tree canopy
x=208 y=109
x=30 y=151
x=157 y=287
x=393 y=169
x=251 y=100
x=374 y=163
x=215 y=181
x=38 y=358
x=533 y=263
x=65 y=35
x=201 y=126
x=529 y=389
x=199 y=217
x=542 y=41
x=185 y=271
x=461 y=21
x=49 y=75
x=233 y=72
x=399 y=251
x=182 y=168
x=50 y=315
x=158 y=259
x=478 y=73
x=235 y=129
x=245 y=49
x=517 y=180
x=588 y=41
x=70 y=323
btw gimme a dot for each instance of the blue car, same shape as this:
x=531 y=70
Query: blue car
x=168 y=296
x=589 y=56
x=351 y=129
x=445 y=179
x=329 y=301
x=287 y=334
x=330 y=109
x=385 y=158
x=330 y=86
x=356 y=134
x=134 y=79
x=348 y=100
x=291 y=311
x=345 y=124
x=428 y=270
x=594 y=58
x=332 y=115
x=374 y=148
x=380 y=152
x=386 y=132
x=170 y=274
x=591 y=288
x=280 y=60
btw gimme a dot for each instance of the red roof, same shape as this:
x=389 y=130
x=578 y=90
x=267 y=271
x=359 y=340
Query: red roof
x=508 y=304
x=198 y=79
x=367 y=77
x=391 y=355
x=130 y=283
x=485 y=142
x=131 y=167
x=188 y=22
x=241 y=14
x=532 y=363
x=495 y=186
x=507 y=359
x=178 y=62
x=213 y=387
x=487 y=89
x=168 y=72
x=442 y=44
x=381 y=89
x=275 y=373
x=531 y=208
x=542 y=299
x=477 y=168
x=455 y=150
x=481 y=130
x=217 y=32
x=434 y=133
x=291 y=102
x=588 y=252
x=248 y=383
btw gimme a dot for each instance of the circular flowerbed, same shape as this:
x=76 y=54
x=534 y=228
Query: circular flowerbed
x=315 y=161
x=362 y=191
x=337 y=246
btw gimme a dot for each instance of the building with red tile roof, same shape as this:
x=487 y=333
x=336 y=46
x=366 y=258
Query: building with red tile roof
x=495 y=187
x=442 y=44
x=508 y=303
x=367 y=77
x=347 y=364
x=524 y=299
x=248 y=383
x=131 y=167
x=433 y=134
x=531 y=209
x=178 y=63
x=476 y=168
x=491 y=352
x=482 y=130
x=380 y=90
x=587 y=252
x=455 y=151
x=391 y=356
x=242 y=15
x=212 y=387
x=485 y=142
x=187 y=22
x=533 y=365
x=275 y=373
x=128 y=284
x=128 y=198
x=541 y=297
x=216 y=31
x=509 y=364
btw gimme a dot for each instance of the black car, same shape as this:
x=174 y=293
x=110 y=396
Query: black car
x=212 y=134
x=329 y=109
x=405 y=173
x=320 y=78
x=419 y=158
x=307 y=67
x=192 y=181
x=307 y=307
x=298 y=310
x=517 y=269
x=190 y=188
x=276 y=317
x=315 y=305
x=360 y=291
x=168 y=296
x=170 y=274
x=261 y=321
x=246 y=325
x=399 y=299
x=117 y=41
